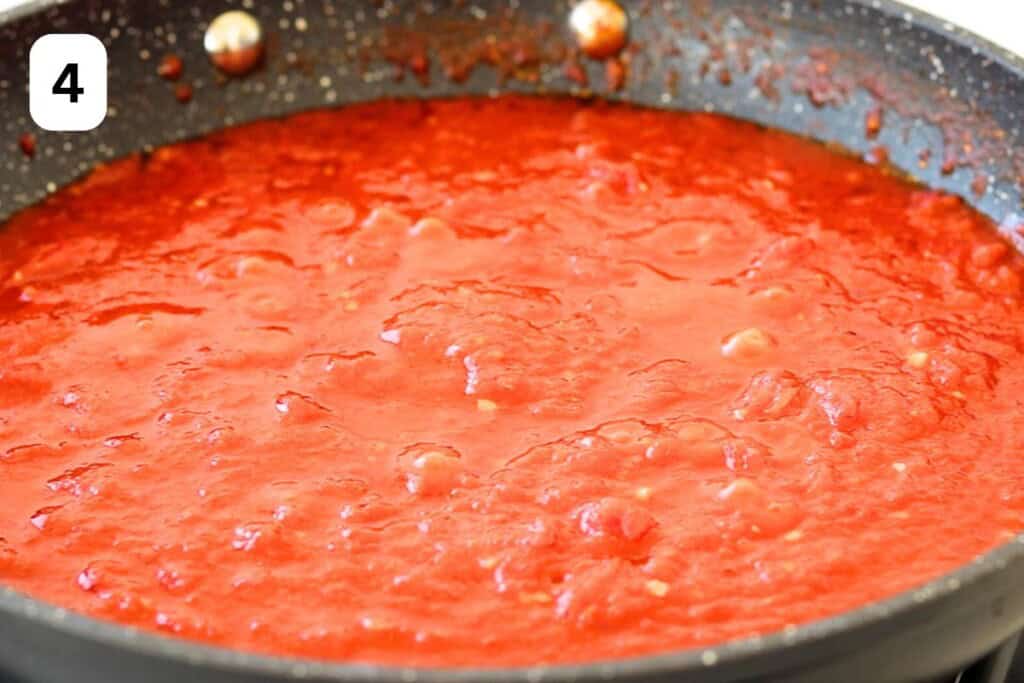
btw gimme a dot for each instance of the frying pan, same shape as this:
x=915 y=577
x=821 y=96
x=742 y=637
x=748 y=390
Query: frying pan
x=954 y=118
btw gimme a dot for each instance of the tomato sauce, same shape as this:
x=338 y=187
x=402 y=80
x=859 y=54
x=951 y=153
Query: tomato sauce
x=495 y=382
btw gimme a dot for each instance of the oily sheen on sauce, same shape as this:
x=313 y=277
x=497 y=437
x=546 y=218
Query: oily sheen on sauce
x=494 y=382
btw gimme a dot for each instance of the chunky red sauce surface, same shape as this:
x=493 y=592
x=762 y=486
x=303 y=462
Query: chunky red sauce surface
x=500 y=382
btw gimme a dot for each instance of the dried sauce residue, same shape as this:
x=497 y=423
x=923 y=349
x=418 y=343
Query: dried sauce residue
x=409 y=55
x=725 y=44
x=515 y=49
x=767 y=80
x=817 y=78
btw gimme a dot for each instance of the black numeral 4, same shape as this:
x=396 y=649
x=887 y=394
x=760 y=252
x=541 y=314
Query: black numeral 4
x=67 y=83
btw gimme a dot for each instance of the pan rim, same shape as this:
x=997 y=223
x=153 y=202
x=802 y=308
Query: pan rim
x=905 y=606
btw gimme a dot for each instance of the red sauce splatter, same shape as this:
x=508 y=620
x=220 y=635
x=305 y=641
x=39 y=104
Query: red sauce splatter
x=819 y=81
x=27 y=144
x=924 y=157
x=979 y=184
x=767 y=81
x=949 y=163
x=873 y=122
x=614 y=74
x=547 y=380
x=170 y=67
x=183 y=92
x=879 y=154
x=574 y=72
x=408 y=52
x=419 y=65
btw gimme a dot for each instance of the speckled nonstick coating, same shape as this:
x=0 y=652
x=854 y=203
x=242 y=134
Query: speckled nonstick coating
x=936 y=84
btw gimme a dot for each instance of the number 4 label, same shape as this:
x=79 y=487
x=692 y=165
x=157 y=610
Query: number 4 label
x=67 y=82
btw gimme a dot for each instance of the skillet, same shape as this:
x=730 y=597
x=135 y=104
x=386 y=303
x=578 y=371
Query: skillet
x=954 y=118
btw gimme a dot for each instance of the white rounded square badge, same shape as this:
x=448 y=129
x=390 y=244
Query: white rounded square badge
x=67 y=82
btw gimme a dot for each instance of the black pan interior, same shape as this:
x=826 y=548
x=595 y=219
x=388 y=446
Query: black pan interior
x=939 y=88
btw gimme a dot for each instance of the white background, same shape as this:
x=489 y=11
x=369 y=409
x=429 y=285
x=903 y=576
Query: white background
x=1001 y=21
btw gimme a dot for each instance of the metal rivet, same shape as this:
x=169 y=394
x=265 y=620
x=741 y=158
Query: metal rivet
x=234 y=42
x=600 y=27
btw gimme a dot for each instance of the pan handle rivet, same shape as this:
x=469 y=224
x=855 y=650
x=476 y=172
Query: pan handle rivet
x=234 y=42
x=600 y=27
